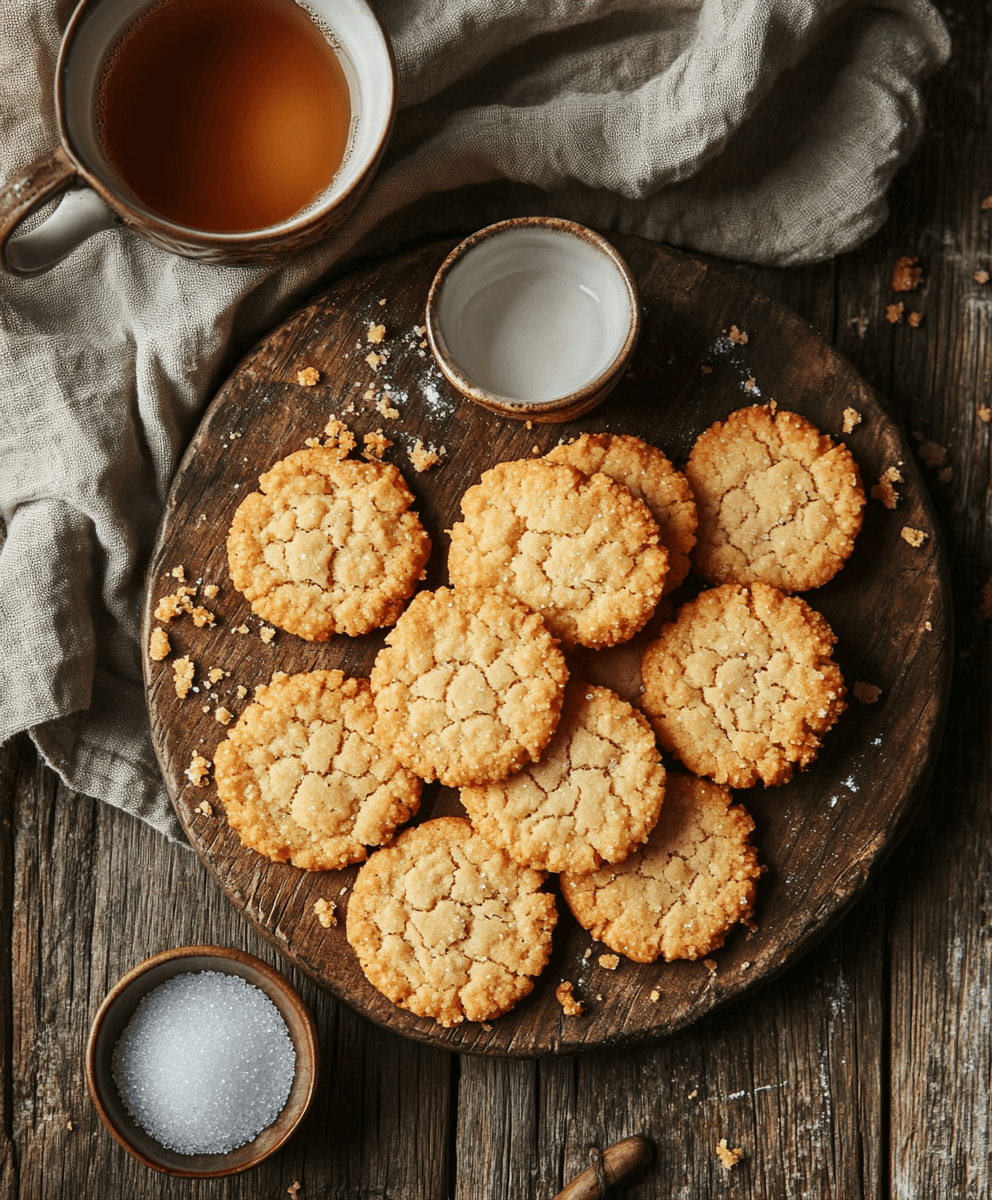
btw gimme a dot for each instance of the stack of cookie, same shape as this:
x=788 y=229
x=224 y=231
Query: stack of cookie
x=472 y=688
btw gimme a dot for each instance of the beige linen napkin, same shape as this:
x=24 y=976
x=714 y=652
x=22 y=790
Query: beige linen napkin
x=765 y=130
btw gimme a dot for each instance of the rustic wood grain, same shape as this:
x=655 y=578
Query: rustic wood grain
x=817 y=836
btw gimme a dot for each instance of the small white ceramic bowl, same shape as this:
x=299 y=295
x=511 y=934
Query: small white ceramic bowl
x=534 y=318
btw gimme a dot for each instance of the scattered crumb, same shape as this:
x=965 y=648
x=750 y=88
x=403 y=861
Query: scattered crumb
x=376 y=333
x=535 y=449
x=929 y=628
x=859 y=324
x=204 y=808
x=203 y=616
x=984 y=413
x=851 y=418
x=309 y=376
x=183 y=671
x=906 y=276
x=266 y=633
x=867 y=693
x=694 y=1093
x=981 y=277
x=773 y=407
x=215 y=674
x=376 y=445
x=710 y=965
x=241 y=629
x=487 y=1028
x=655 y=996
x=528 y=425
x=294 y=1188
x=599 y=997
x=423 y=459
x=915 y=320
x=587 y=953
x=728 y=1158
x=325 y=912
x=745 y=966
x=205 y=708
x=609 y=962
x=749 y=385
x=884 y=491
x=570 y=1006
x=387 y=410
x=737 y=336
x=706 y=370
x=210 y=590
x=241 y=692
x=375 y=360
x=893 y=313
x=931 y=454
x=915 y=537
x=68 y=1126
x=338 y=437
x=420 y=330
x=174 y=605
x=158 y=644
x=178 y=573
x=198 y=770
x=223 y=715
x=369 y=395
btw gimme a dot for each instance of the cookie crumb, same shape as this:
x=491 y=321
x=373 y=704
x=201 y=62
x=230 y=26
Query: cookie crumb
x=529 y=425
x=158 y=644
x=174 y=605
x=706 y=370
x=851 y=418
x=981 y=277
x=884 y=491
x=929 y=628
x=570 y=1006
x=375 y=360
x=325 y=912
x=728 y=1158
x=204 y=809
x=423 y=458
x=906 y=275
x=914 y=320
x=710 y=965
x=179 y=573
x=210 y=590
x=737 y=336
x=745 y=966
x=931 y=454
x=609 y=962
x=376 y=333
x=387 y=410
x=198 y=770
x=241 y=629
x=693 y=1094
x=223 y=715
x=215 y=674
x=859 y=324
x=588 y=953
x=241 y=692
x=749 y=384
x=984 y=413
x=915 y=537
x=655 y=996
x=867 y=693
x=488 y=1028
x=266 y=633
x=893 y=313
x=295 y=1186
x=68 y=1126
x=183 y=670
x=376 y=445
x=309 y=376
x=203 y=616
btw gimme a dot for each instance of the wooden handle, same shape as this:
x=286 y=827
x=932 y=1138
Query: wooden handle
x=45 y=178
x=616 y=1166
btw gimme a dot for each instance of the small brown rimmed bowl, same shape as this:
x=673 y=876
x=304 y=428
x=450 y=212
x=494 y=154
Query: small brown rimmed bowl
x=118 y=1009
x=534 y=318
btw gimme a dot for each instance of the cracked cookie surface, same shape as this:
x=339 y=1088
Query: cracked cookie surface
x=778 y=501
x=449 y=927
x=593 y=796
x=680 y=894
x=468 y=687
x=301 y=778
x=580 y=550
x=742 y=685
x=647 y=474
x=327 y=545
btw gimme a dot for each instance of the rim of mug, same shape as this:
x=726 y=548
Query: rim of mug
x=139 y=213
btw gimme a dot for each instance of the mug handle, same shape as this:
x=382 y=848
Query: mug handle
x=82 y=213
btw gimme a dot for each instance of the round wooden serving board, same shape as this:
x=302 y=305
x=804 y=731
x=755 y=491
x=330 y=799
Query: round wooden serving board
x=819 y=836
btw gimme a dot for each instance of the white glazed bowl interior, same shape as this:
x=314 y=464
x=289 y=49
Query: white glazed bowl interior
x=534 y=313
x=349 y=25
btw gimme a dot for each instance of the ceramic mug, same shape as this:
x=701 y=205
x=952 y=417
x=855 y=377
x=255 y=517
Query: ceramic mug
x=93 y=195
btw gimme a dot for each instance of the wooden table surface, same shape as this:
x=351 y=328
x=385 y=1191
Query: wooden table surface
x=862 y=1072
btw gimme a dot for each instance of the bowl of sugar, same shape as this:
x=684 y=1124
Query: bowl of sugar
x=534 y=318
x=202 y=1061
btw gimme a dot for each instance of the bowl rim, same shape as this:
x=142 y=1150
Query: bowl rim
x=579 y=400
x=294 y=1012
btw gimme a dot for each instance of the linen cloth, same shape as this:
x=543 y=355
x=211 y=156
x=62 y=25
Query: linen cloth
x=762 y=130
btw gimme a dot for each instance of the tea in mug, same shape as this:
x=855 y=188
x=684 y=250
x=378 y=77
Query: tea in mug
x=225 y=115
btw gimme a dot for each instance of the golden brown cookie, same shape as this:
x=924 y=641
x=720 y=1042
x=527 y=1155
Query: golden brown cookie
x=593 y=796
x=301 y=778
x=742 y=685
x=580 y=550
x=778 y=502
x=468 y=687
x=447 y=926
x=327 y=545
x=647 y=474
x=680 y=894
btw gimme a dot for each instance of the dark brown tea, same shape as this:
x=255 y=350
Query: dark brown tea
x=225 y=115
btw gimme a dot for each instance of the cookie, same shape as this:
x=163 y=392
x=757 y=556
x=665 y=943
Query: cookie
x=301 y=778
x=468 y=687
x=580 y=550
x=447 y=926
x=778 y=502
x=327 y=546
x=742 y=685
x=594 y=795
x=679 y=895
x=647 y=474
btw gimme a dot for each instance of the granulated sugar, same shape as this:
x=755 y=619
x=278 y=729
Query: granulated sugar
x=205 y=1064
